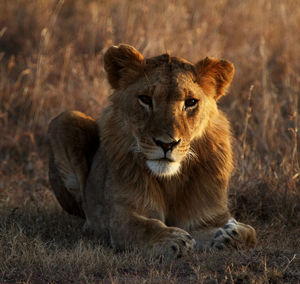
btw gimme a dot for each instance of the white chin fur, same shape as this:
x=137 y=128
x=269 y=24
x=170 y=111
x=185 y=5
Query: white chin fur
x=163 y=168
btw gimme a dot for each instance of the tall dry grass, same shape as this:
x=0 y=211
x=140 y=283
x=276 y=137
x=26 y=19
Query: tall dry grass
x=51 y=60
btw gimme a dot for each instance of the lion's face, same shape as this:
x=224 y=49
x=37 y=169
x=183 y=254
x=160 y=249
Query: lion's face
x=164 y=105
x=165 y=111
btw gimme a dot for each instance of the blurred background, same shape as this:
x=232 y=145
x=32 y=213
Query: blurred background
x=51 y=60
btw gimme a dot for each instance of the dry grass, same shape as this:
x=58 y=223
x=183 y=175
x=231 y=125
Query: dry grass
x=51 y=60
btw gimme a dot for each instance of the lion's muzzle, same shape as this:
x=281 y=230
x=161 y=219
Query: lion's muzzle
x=166 y=146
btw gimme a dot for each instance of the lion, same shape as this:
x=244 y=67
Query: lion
x=152 y=173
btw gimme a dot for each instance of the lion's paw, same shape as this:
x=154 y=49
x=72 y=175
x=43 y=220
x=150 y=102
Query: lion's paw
x=234 y=235
x=173 y=243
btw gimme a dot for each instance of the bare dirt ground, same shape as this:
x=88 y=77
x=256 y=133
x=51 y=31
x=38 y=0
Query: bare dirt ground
x=51 y=56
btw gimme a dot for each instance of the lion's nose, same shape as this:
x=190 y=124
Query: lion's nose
x=166 y=146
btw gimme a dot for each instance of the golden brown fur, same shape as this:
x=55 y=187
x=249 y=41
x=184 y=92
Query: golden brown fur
x=164 y=160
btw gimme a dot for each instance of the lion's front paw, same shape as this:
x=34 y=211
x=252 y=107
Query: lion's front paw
x=172 y=243
x=235 y=235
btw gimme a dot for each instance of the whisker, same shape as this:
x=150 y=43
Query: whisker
x=192 y=155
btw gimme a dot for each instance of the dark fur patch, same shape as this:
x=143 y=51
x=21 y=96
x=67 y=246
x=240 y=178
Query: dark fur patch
x=218 y=234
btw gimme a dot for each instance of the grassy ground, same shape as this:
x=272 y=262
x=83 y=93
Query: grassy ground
x=51 y=59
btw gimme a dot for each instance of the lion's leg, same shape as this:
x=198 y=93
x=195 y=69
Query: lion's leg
x=73 y=140
x=131 y=230
x=233 y=235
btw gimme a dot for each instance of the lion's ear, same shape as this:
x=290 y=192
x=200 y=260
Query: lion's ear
x=123 y=64
x=214 y=76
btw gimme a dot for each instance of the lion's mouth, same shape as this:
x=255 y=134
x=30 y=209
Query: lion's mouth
x=166 y=160
x=163 y=166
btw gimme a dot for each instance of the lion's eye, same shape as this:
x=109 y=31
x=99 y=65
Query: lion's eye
x=190 y=103
x=146 y=100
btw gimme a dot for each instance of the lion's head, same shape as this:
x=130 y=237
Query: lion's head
x=166 y=102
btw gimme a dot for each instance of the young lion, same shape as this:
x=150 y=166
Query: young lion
x=153 y=172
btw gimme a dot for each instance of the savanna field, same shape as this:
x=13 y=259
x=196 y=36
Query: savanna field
x=51 y=60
